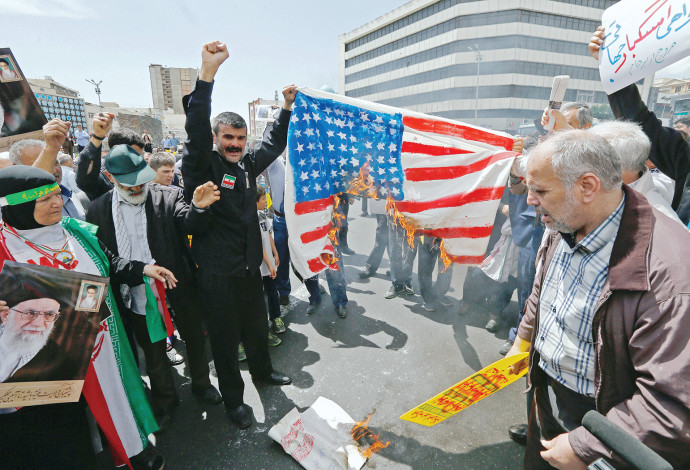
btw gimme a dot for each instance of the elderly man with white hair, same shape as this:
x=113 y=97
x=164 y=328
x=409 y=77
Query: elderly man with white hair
x=607 y=323
x=632 y=146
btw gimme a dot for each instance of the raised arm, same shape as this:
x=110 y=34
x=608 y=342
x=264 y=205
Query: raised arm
x=89 y=177
x=670 y=152
x=54 y=133
x=275 y=140
x=198 y=148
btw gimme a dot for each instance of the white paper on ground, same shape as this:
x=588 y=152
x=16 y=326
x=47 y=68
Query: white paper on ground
x=319 y=438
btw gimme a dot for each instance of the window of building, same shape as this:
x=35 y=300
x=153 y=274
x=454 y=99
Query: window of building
x=480 y=19
x=585 y=96
x=470 y=69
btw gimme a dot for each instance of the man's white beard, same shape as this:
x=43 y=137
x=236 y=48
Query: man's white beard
x=25 y=344
x=134 y=200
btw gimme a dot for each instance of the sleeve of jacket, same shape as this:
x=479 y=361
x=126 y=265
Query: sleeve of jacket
x=658 y=412
x=93 y=183
x=189 y=219
x=198 y=148
x=124 y=271
x=273 y=142
x=670 y=152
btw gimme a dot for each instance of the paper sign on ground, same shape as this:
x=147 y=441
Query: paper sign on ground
x=319 y=438
x=467 y=392
x=642 y=36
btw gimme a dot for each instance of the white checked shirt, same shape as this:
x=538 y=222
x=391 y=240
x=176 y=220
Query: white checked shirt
x=567 y=304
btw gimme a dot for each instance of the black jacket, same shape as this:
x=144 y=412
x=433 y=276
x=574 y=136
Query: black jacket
x=94 y=183
x=169 y=220
x=670 y=152
x=233 y=243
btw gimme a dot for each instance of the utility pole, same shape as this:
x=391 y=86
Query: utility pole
x=98 y=90
x=478 y=58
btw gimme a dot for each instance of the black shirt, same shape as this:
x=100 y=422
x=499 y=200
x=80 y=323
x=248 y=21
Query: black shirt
x=232 y=243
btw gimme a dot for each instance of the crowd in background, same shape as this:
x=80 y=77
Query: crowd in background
x=592 y=232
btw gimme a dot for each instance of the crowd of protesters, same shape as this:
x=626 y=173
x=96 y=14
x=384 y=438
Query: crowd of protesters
x=592 y=232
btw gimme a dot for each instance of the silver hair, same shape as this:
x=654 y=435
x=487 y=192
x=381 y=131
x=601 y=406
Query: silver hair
x=584 y=112
x=574 y=153
x=64 y=158
x=628 y=140
x=17 y=149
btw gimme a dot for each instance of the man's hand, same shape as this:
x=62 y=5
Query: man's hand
x=212 y=55
x=273 y=273
x=54 y=133
x=596 y=41
x=518 y=144
x=561 y=455
x=276 y=260
x=519 y=346
x=205 y=195
x=560 y=125
x=101 y=124
x=3 y=306
x=519 y=167
x=289 y=93
x=162 y=274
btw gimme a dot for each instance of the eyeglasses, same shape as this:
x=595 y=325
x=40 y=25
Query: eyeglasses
x=49 y=316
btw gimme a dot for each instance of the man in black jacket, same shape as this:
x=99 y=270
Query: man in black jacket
x=670 y=152
x=229 y=254
x=90 y=178
x=123 y=215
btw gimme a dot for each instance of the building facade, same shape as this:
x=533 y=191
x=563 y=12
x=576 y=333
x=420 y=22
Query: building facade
x=136 y=119
x=59 y=101
x=169 y=85
x=485 y=62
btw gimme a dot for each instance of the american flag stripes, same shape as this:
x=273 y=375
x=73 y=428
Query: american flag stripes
x=446 y=178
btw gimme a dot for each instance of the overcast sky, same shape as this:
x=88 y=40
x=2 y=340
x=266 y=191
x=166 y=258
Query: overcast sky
x=272 y=43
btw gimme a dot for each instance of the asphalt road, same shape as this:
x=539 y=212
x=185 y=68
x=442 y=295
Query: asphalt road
x=387 y=356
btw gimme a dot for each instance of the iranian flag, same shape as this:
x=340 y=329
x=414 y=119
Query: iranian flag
x=115 y=394
x=113 y=387
x=158 y=319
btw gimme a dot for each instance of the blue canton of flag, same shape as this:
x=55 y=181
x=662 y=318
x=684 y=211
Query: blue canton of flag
x=330 y=142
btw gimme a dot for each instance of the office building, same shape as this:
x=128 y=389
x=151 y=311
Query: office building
x=485 y=62
x=169 y=85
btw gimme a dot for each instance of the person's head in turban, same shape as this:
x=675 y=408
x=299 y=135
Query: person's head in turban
x=30 y=197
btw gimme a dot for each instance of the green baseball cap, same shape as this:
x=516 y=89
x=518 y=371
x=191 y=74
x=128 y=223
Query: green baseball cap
x=128 y=167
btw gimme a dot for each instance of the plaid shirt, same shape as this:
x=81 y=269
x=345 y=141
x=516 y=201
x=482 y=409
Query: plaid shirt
x=567 y=304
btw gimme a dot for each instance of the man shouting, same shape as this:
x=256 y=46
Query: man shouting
x=229 y=254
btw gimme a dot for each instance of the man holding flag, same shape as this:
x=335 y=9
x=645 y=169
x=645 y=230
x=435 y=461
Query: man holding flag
x=149 y=222
x=230 y=253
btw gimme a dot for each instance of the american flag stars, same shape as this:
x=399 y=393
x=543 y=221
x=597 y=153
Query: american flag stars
x=330 y=142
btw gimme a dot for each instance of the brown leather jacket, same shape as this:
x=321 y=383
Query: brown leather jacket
x=642 y=334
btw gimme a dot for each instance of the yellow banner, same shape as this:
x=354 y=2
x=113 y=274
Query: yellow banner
x=467 y=392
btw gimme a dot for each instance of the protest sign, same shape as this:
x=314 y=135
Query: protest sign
x=21 y=117
x=642 y=36
x=48 y=333
x=467 y=392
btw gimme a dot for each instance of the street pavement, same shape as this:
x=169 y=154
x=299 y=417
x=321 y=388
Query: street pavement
x=386 y=357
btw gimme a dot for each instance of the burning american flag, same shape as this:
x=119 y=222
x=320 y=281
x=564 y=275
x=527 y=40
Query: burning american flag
x=441 y=178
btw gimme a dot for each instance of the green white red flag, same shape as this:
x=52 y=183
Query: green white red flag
x=158 y=319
